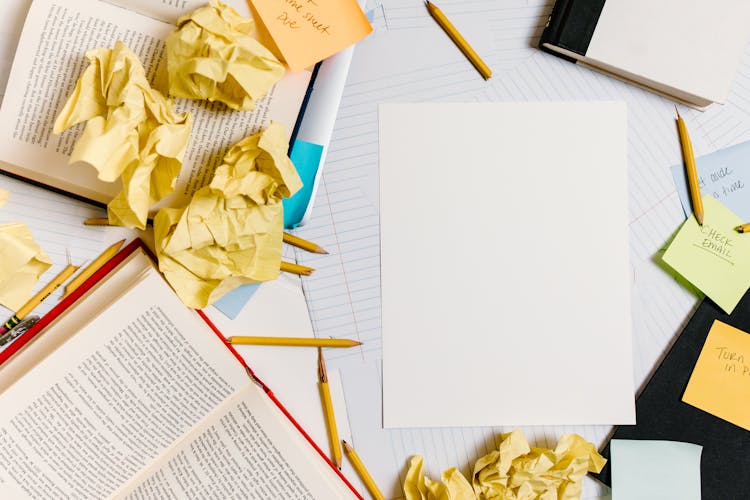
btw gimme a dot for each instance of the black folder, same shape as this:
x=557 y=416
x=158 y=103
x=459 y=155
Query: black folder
x=661 y=414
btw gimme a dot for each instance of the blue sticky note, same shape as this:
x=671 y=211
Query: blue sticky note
x=306 y=159
x=725 y=174
x=655 y=470
x=232 y=303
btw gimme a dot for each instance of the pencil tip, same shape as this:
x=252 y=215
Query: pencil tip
x=699 y=218
x=321 y=251
x=739 y=229
x=677 y=111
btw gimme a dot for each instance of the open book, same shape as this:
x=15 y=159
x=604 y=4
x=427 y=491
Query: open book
x=48 y=62
x=126 y=393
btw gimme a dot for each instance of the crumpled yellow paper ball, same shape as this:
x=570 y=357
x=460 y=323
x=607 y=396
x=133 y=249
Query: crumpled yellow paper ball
x=230 y=233
x=22 y=262
x=213 y=55
x=132 y=132
x=515 y=471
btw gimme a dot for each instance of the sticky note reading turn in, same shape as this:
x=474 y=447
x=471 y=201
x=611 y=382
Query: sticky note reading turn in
x=720 y=382
x=308 y=31
x=713 y=257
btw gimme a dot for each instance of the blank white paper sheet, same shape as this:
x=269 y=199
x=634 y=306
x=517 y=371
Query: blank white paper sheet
x=504 y=264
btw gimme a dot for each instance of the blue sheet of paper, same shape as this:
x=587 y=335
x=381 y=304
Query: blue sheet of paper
x=232 y=303
x=306 y=159
x=655 y=470
x=725 y=174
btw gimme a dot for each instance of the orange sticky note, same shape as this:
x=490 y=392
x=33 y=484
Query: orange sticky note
x=720 y=382
x=308 y=31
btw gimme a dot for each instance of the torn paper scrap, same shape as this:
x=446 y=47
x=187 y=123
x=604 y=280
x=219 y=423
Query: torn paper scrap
x=655 y=470
x=212 y=55
x=231 y=231
x=132 y=132
x=22 y=262
x=713 y=257
x=720 y=382
x=514 y=471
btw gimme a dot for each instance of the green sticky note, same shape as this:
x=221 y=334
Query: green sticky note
x=713 y=257
x=655 y=470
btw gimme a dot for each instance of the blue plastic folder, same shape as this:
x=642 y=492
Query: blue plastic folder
x=306 y=158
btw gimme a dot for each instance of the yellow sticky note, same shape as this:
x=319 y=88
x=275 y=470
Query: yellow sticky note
x=308 y=31
x=720 y=382
x=713 y=257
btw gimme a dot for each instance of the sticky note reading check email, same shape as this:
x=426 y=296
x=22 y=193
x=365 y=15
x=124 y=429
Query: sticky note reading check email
x=308 y=31
x=720 y=382
x=713 y=257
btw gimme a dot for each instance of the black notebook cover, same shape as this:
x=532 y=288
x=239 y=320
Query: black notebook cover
x=661 y=414
x=571 y=26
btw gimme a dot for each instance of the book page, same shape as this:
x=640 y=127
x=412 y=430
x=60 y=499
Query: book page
x=247 y=452
x=170 y=10
x=113 y=398
x=49 y=60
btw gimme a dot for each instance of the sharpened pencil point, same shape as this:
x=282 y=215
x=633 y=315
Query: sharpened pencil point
x=739 y=229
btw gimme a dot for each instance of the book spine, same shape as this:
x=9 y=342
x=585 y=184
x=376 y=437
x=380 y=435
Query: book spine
x=571 y=26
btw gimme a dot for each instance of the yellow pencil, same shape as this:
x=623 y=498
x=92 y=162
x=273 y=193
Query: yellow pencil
x=359 y=466
x=289 y=267
x=325 y=396
x=692 y=173
x=459 y=40
x=96 y=221
x=303 y=244
x=743 y=228
x=292 y=341
x=92 y=268
x=288 y=238
x=42 y=294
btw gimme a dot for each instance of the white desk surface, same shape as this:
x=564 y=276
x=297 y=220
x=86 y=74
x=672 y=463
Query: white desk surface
x=408 y=59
